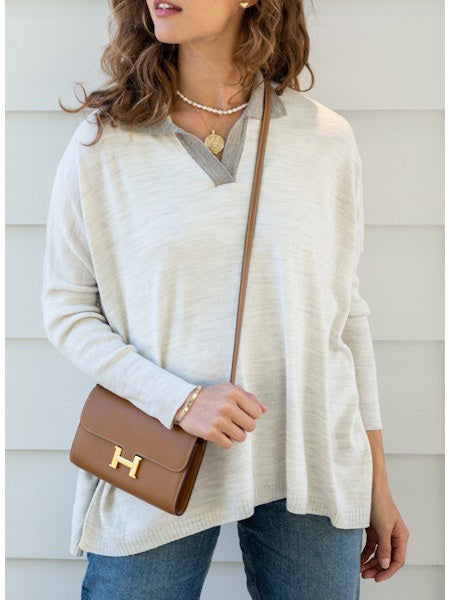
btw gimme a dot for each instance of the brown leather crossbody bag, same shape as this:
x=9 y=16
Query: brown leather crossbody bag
x=121 y=444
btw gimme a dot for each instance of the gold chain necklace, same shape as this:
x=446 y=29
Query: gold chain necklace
x=214 y=141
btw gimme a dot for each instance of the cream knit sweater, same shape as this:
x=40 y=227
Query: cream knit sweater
x=140 y=289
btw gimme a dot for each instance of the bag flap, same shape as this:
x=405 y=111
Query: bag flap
x=120 y=422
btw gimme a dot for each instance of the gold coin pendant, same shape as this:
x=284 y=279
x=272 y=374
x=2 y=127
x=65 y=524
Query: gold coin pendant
x=215 y=142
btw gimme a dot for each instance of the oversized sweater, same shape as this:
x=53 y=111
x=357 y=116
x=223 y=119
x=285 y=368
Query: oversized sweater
x=142 y=264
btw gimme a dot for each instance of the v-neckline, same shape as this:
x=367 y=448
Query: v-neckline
x=222 y=170
x=225 y=170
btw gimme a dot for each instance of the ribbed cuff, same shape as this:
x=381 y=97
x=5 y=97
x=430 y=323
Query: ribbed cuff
x=357 y=336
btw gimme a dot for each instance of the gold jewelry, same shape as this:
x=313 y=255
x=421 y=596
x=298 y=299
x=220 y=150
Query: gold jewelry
x=213 y=141
x=243 y=4
x=185 y=410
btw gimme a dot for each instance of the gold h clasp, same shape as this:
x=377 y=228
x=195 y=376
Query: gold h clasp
x=132 y=465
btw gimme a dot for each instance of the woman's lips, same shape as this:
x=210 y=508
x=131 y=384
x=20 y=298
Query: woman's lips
x=166 y=9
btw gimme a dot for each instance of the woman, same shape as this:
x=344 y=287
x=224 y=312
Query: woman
x=141 y=273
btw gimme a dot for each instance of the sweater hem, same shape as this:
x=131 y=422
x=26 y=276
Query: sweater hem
x=93 y=541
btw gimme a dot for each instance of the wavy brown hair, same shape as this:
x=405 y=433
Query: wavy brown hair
x=142 y=70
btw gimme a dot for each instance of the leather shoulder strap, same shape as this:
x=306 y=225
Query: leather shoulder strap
x=251 y=222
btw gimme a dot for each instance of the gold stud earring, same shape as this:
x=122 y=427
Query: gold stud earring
x=243 y=4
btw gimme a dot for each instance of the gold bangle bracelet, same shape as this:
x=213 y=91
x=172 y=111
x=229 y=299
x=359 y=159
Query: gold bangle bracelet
x=186 y=409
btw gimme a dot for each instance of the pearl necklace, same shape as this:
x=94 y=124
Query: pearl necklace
x=213 y=141
x=218 y=111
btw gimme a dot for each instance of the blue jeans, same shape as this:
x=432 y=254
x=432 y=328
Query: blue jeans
x=286 y=557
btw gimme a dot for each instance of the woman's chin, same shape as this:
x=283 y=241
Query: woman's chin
x=167 y=31
x=168 y=35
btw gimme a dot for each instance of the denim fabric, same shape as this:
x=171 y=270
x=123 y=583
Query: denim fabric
x=286 y=557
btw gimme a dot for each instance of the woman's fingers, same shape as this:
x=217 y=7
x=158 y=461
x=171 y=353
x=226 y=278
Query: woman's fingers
x=395 y=546
x=400 y=536
x=233 y=431
x=384 y=547
x=249 y=403
x=371 y=543
x=371 y=565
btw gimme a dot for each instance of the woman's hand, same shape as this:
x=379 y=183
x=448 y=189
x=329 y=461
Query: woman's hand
x=389 y=532
x=222 y=413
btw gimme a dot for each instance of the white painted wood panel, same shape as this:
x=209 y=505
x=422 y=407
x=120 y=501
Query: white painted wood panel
x=41 y=484
x=401 y=276
x=361 y=52
x=403 y=165
x=44 y=579
x=402 y=154
x=62 y=579
x=45 y=395
x=411 y=388
x=52 y=45
x=29 y=171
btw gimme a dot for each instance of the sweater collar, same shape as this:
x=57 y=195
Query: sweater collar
x=254 y=109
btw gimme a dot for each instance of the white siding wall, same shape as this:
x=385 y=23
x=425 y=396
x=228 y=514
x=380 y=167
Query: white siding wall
x=379 y=63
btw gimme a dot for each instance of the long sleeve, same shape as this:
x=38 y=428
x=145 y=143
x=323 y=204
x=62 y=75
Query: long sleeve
x=357 y=336
x=72 y=316
x=357 y=333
